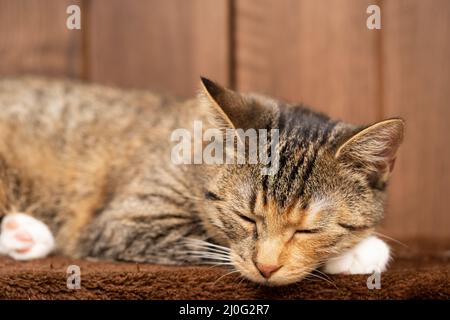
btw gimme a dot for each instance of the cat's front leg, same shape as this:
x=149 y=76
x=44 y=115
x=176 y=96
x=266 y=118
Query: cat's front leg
x=23 y=237
x=368 y=256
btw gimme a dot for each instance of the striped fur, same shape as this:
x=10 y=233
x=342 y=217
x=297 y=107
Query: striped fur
x=93 y=163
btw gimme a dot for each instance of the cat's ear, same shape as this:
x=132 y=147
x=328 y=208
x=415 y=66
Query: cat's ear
x=373 y=150
x=231 y=109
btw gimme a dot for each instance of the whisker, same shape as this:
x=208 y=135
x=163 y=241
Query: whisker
x=207 y=250
x=196 y=246
x=210 y=249
x=203 y=243
x=322 y=278
x=324 y=274
x=226 y=274
x=392 y=239
x=211 y=257
x=206 y=244
x=242 y=279
x=219 y=264
x=224 y=255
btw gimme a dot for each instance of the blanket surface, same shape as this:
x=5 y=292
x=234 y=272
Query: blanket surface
x=415 y=275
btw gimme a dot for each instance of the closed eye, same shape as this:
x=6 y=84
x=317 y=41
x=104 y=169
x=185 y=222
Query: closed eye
x=303 y=231
x=245 y=218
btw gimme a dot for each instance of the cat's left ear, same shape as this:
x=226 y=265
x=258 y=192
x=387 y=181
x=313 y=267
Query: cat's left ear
x=373 y=150
x=233 y=110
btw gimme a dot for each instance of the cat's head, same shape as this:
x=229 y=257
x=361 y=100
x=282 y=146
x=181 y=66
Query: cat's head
x=327 y=195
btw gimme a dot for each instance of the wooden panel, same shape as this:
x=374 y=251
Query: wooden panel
x=162 y=45
x=317 y=52
x=416 y=82
x=34 y=38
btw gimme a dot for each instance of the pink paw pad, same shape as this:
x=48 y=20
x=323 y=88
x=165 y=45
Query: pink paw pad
x=11 y=224
x=23 y=237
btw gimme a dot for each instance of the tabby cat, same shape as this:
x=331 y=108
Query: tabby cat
x=86 y=171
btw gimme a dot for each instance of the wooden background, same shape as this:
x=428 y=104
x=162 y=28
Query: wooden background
x=318 y=52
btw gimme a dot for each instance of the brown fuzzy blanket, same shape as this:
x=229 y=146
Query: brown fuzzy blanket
x=413 y=276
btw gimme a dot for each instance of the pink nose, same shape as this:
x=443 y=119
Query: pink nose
x=267 y=270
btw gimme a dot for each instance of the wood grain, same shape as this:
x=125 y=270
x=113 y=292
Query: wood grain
x=34 y=39
x=162 y=45
x=317 y=52
x=416 y=82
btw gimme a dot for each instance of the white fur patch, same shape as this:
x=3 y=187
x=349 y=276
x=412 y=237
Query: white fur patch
x=368 y=256
x=23 y=237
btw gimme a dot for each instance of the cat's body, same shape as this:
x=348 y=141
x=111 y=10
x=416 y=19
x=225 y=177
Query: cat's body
x=75 y=156
x=93 y=164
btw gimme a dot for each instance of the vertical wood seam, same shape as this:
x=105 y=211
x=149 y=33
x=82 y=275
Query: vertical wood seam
x=380 y=67
x=85 y=40
x=232 y=50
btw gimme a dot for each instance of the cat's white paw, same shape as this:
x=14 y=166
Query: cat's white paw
x=368 y=256
x=23 y=237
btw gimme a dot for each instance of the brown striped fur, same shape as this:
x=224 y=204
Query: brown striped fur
x=93 y=163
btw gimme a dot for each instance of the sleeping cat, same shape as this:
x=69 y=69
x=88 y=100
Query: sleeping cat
x=85 y=171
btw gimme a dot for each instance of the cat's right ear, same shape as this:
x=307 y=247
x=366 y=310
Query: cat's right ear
x=373 y=150
x=230 y=109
